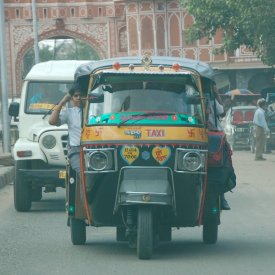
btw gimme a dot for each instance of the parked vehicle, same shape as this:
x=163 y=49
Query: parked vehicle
x=144 y=151
x=237 y=126
x=40 y=151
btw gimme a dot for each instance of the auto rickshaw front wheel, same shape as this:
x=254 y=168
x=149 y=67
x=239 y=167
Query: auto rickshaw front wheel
x=78 y=231
x=145 y=232
x=210 y=233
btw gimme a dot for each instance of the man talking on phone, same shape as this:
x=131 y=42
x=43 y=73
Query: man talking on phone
x=71 y=114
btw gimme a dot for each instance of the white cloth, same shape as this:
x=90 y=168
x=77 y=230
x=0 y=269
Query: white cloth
x=259 y=119
x=72 y=116
x=211 y=115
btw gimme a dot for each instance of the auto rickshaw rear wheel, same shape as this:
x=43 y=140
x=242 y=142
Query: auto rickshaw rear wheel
x=22 y=190
x=145 y=232
x=78 y=231
x=210 y=233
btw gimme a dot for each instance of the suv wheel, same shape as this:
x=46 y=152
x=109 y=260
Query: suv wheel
x=22 y=190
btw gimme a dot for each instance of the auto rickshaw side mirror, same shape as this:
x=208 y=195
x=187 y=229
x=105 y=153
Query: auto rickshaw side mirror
x=14 y=109
x=95 y=98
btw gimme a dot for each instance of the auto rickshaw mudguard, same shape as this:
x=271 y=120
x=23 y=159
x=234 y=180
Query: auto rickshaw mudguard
x=145 y=185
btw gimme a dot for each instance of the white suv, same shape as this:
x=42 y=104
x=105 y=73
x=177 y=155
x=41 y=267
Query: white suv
x=40 y=151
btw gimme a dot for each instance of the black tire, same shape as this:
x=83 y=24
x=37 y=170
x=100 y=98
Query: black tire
x=210 y=233
x=37 y=194
x=145 y=232
x=22 y=190
x=78 y=231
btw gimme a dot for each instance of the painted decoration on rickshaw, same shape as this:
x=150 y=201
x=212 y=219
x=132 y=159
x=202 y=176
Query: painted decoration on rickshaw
x=145 y=155
x=129 y=153
x=161 y=154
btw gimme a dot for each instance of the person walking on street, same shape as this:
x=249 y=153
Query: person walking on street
x=261 y=128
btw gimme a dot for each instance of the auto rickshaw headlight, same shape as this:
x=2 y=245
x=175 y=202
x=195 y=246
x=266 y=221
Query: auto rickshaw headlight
x=98 y=160
x=49 y=141
x=192 y=161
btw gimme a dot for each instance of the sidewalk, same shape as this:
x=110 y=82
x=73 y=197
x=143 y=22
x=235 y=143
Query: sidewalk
x=6 y=167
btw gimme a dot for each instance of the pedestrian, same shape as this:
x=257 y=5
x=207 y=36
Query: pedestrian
x=215 y=110
x=71 y=115
x=261 y=129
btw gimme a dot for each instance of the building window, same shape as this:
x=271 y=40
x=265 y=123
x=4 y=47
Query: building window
x=45 y=13
x=72 y=12
x=17 y=11
x=160 y=6
x=100 y=11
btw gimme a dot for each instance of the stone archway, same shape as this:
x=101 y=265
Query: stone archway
x=99 y=49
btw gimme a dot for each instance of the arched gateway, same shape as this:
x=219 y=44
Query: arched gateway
x=113 y=29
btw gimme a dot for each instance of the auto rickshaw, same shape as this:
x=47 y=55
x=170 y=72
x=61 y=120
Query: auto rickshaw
x=145 y=152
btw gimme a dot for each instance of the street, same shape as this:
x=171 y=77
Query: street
x=38 y=242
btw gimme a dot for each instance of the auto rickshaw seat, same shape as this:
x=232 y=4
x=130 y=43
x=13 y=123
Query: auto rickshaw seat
x=248 y=116
x=237 y=117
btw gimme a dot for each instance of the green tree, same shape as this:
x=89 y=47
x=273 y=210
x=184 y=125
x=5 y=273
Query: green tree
x=243 y=22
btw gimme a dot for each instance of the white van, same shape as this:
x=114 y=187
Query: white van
x=40 y=151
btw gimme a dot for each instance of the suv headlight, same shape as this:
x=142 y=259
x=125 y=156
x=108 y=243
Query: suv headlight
x=190 y=161
x=100 y=160
x=49 y=141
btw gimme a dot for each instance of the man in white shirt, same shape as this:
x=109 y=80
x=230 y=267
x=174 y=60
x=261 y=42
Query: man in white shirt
x=261 y=128
x=72 y=115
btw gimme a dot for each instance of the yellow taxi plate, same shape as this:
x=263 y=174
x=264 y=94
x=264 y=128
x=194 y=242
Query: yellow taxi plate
x=62 y=174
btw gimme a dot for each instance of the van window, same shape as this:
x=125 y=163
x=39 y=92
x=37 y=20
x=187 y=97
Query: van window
x=43 y=96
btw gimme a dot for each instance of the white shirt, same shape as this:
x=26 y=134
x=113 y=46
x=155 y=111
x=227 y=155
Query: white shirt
x=211 y=115
x=72 y=116
x=259 y=119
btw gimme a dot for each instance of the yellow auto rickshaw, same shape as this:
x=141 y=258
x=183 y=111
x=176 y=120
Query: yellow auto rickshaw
x=145 y=152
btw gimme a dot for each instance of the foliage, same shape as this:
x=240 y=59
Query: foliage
x=59 y=49
x=243 y=22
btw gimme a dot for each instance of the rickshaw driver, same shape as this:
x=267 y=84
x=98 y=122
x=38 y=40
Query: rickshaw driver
x=214 y=124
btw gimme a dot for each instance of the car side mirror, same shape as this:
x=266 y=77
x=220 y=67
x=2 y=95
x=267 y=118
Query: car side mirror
x=96 y=98
x=14 y=109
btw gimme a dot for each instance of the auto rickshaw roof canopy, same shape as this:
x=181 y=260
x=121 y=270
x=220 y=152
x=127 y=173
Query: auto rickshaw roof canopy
x=83 y=72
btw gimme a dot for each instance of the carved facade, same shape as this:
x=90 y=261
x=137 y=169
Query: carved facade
x=118 y=28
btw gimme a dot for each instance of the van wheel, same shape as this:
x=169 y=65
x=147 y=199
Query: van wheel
x=22 y=190
x=210 y=233
x=78 y=231
x=145 y=232
x=37 y=194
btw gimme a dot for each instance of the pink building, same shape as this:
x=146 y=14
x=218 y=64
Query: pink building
x=120 y=28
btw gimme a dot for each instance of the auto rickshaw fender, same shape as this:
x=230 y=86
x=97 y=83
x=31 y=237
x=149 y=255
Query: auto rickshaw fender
x=145 y=185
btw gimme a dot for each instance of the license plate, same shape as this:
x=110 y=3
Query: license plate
x=62 y=174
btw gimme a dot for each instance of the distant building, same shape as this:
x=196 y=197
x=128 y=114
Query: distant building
x=124 y=27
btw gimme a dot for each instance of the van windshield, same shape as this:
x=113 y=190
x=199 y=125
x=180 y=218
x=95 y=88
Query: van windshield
x=43 y=96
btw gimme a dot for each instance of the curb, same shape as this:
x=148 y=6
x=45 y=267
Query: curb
x=6 y=175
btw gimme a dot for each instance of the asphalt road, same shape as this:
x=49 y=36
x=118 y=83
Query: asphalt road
x=38 y=242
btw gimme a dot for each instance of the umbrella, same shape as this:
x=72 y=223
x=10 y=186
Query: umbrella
x=239 y=92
